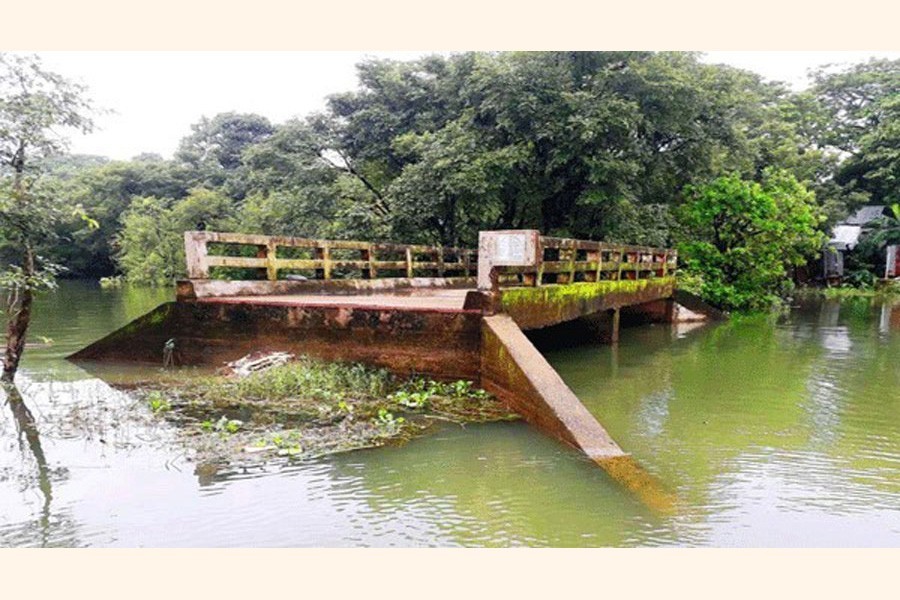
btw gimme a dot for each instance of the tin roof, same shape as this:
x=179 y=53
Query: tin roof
x=845 y=237
x=864 y=215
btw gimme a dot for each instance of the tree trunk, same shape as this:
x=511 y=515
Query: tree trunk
x=18 y=313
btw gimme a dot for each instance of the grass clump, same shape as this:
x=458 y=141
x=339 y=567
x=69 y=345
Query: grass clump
x=883 y=291
x=310 y=407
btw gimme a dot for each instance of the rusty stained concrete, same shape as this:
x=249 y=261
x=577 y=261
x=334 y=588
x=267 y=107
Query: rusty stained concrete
x=449 y=299
x=439 y=342
x=199 y=289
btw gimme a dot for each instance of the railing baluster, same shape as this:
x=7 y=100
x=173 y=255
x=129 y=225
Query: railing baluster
x=262 y=251
x=271 y=258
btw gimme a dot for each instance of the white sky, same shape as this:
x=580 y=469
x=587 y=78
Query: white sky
x=156 y=96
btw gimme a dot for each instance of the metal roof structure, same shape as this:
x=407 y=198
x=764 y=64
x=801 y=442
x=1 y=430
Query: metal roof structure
x=845 y=237
x=864 y=215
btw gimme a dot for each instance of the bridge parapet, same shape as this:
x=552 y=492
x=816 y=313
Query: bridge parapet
x=527 y=258
x=321 y=259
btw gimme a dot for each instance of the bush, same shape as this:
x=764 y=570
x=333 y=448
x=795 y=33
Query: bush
x=742 y=237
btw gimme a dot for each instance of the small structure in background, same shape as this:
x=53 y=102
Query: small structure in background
x=844 y=238
x=892 y=263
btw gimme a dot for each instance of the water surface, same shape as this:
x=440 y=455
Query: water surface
x=771 y=431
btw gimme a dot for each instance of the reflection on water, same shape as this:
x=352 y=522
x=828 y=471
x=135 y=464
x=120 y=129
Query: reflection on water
x=28 y=436
x=770 y=432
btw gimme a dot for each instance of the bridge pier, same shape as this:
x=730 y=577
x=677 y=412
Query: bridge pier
x=615 y=316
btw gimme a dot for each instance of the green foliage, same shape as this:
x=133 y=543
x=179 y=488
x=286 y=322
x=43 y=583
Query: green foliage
x=106 y=191
x=151 y=241
x=858 y=115
x=305 y=378
x=387 y=419
x=223 y=425
x=581 y=144
x=213 y=149
x=158 y=403
x=110 y=283
x=742 y=237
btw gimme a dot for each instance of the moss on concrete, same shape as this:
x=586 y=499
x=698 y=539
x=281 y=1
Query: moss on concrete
x=581 y=291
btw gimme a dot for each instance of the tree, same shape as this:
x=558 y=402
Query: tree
x=741 y=237
x=214 y=148
x=34 y=103
x=859 y=110
x=105 y=192
x=571 y=143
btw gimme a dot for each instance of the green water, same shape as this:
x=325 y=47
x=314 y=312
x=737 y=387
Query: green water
x=771 y=432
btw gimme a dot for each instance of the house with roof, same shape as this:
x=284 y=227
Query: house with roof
x=845 y=236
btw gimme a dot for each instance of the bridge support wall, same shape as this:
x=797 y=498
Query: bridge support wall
x=439 y=343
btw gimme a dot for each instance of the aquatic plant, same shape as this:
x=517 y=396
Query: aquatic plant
x=114 y=282
x=387 y=418
x=158 y=403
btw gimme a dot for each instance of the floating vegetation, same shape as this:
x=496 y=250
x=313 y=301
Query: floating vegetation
x=307 y=408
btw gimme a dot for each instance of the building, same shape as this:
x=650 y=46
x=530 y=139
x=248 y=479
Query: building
x=892 y=264
x=845 y=237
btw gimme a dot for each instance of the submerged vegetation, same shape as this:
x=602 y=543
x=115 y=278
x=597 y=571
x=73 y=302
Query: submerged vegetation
x=309 y=408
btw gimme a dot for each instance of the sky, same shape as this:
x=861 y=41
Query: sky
x=152 y=98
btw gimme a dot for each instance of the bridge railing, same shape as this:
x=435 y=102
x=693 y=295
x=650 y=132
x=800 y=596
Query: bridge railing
x=321 y=259
x=526 y=258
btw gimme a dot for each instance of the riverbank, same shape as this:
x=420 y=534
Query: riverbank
x=308 y=408
x=884 y=291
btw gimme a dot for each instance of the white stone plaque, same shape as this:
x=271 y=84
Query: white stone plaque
x=510 y=249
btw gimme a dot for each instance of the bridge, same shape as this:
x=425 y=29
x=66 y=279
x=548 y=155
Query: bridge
x=449 y=313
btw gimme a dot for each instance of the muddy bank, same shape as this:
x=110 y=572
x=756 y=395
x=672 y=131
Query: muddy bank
x=308 y=408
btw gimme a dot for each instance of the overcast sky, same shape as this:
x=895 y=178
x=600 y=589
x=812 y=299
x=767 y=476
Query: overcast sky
x=156 y=96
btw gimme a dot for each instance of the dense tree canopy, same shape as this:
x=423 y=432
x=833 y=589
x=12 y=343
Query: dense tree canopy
x=859 y=109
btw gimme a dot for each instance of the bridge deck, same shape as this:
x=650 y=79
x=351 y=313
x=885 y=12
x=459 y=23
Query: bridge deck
x=440 y=299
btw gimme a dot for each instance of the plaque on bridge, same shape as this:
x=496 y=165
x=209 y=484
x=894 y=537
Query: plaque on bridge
x=511 y=249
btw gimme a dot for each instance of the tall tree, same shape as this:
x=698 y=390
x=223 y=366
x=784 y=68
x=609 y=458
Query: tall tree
x=34 y=104
x=214 y=148
x=572 y=143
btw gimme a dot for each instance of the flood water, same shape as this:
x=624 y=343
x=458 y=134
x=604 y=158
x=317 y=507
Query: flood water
x=770 y=431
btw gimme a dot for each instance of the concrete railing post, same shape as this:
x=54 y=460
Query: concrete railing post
x=510 y=248
x=195 y=253
x=271 y=261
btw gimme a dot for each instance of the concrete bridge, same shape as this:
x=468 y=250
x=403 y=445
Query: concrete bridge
x=449 y=313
